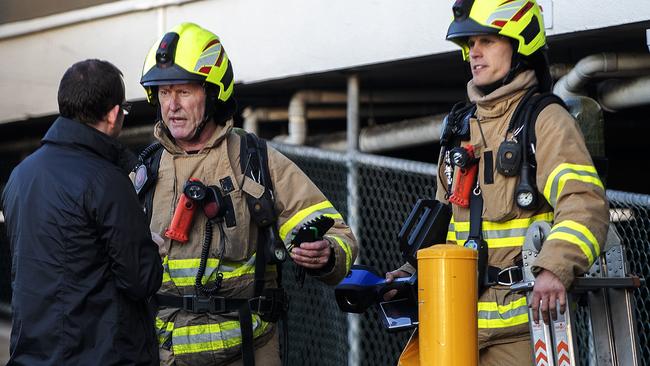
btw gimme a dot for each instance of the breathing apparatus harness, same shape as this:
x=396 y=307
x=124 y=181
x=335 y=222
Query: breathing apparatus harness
x=270 y=303
x=515 y=156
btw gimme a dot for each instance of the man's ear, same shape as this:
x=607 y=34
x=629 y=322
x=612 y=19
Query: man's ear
x=112 y=115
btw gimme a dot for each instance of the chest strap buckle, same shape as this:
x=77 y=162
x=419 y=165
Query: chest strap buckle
x=199 y=304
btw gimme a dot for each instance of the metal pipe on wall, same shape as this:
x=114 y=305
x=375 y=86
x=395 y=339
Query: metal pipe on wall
x=590 y=66
x=354 y=327
x=252 y=117
x=298 y=112
x=614 y=95
x=388 y=136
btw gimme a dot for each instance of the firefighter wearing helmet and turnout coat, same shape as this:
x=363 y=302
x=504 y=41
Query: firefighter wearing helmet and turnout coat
x=189 y=79
x=504 y=43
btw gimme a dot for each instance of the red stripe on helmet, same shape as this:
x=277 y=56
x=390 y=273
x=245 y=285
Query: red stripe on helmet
x=205 y=69
x=212 y=42
x=499 y=23
x=522 y=11
x=219 y=59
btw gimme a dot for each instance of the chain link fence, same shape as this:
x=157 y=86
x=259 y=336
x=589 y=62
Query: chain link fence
x=386 y=191
x=631 y=216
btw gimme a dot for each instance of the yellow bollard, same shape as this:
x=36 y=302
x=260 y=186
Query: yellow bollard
x=447 y=305
x=410 y=354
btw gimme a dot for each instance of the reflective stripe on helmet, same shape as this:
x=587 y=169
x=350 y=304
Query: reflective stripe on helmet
x=188 y=53
x=520 y=20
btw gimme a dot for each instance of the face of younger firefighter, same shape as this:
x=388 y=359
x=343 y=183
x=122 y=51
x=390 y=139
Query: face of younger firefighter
x=489 y=58
x=182 y=107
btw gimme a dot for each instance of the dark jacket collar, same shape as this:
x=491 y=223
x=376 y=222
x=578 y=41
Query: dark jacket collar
x=65 y=131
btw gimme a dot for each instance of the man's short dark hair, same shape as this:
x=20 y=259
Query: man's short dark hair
x=89 y=89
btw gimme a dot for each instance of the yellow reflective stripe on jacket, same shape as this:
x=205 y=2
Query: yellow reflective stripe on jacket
x=346 y=249
x=164 y=329
x=578 y=234
x=493 y=315
x=212 y=337
x=451 y=237
x=565 y=172
x=165 y=264
x=451 y=232
x=505 y=234
x=324 y=208
x=183 y=271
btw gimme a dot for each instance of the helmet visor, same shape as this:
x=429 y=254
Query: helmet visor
x=468 y=27
x=169 y=75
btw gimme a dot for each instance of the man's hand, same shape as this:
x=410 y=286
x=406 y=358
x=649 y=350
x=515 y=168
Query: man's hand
x=390 y=276
x=547 y=291
x=312 y=255
x=162 y=251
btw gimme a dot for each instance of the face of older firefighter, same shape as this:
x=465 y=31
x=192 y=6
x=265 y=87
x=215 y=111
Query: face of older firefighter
x=489 y=58
x=182 y=108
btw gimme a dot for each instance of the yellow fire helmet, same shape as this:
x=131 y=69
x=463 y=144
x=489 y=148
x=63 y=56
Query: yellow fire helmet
x=520 y=20
x=188 y=54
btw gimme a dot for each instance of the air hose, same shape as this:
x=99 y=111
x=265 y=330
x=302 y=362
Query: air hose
x=205 y=249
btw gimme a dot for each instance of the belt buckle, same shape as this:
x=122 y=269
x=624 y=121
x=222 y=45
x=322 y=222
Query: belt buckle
x=217 y=304
x=257 y=309
x=510 y=272
x=192 y=304
x=198 y=304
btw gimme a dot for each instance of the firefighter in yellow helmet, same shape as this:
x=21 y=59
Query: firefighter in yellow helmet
x=220 y=296
x=516 y=185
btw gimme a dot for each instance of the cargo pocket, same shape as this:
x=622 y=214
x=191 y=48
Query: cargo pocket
x=238 y=245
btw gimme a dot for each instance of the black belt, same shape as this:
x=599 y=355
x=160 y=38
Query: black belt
x=504 y=277
x=268 y=303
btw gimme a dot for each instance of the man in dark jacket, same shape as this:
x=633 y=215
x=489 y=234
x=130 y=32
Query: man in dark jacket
x=83 y=259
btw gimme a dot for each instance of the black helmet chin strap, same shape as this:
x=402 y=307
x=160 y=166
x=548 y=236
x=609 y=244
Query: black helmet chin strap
x=159 y=118
x=208 y=112
x=199 y=129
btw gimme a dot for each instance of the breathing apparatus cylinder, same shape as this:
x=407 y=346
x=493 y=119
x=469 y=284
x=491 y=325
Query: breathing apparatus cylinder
x=448 y=329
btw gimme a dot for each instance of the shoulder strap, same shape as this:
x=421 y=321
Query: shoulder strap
x=537 y=105
x=257 y=149
x=148 y=165
x=526 y=113
x=254 y=164
x=456 y=124
x=475 y=240
x=253 y=159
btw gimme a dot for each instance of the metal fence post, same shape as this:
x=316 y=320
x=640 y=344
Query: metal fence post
x=353 y=209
